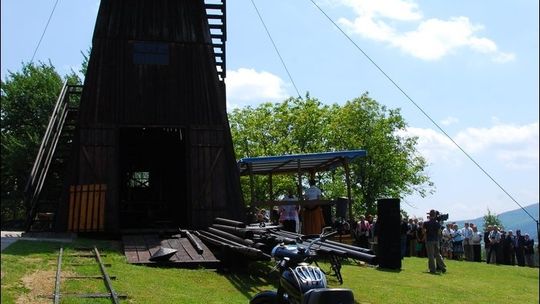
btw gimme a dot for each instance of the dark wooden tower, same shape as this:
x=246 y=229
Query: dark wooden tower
x=152 y=147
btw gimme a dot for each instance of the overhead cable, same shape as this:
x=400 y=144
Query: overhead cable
x=44 y=30
x=275 y=48
x=421 y=110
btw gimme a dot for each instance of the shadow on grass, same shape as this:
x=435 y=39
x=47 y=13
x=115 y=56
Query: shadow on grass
x=251 y=277
x=24 y=247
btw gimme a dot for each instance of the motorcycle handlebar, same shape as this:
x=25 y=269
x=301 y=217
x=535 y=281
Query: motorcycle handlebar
x=321 y=238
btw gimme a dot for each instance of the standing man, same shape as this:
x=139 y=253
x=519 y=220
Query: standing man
x=487 y=242
x=312 y=214
x=519 y=242
x=411 y=236
x=432 y=230
x=403 y=237
x=509 y=256
x=528 y=250
x=467 y=233
x=363 y=228
x=476 y=244
x=494 y=239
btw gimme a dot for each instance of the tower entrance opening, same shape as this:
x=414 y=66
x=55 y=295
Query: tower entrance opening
x=153 y=192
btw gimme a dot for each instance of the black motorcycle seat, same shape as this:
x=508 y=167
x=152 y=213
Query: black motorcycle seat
x=328 y=296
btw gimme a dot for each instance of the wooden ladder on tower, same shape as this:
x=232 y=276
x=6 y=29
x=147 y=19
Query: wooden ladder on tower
x=46 y=180
x=216 y=14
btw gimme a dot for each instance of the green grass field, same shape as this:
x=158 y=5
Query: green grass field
x=28 y=270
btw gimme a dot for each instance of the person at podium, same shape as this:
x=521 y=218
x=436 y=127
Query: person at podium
x=312 y=214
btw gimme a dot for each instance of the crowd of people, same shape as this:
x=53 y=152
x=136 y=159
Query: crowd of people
x=455 y=243
x=465 y=243
x=417 y=236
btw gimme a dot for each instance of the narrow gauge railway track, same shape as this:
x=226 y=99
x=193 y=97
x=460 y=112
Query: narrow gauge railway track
x=92 y=254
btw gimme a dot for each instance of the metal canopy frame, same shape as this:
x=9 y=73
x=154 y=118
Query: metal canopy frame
x=299 y=164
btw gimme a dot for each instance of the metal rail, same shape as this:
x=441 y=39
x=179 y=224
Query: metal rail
x=58 y=277
x=112 y=294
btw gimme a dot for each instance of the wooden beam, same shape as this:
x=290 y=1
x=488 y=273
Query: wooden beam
x=251 y=184
x=299 y=185
x=348 y=181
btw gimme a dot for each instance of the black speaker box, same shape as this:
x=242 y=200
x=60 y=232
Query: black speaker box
x=388 y=227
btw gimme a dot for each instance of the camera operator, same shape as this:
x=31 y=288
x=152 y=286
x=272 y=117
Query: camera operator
x=432 y=230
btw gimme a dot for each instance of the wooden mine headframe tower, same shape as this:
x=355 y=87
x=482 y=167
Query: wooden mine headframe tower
x=151 y=144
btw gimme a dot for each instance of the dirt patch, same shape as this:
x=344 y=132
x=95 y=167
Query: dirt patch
x=40 y=285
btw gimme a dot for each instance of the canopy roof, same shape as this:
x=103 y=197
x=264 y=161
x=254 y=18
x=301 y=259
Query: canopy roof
x=297 y=162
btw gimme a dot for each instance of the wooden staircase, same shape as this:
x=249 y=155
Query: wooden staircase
x=46 y=181
x=216 y=13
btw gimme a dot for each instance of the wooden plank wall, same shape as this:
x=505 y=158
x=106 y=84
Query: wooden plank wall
x=212 y=190
x=87 y=208
x=183 y=91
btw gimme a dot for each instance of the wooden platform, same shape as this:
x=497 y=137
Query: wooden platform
x=139 y=248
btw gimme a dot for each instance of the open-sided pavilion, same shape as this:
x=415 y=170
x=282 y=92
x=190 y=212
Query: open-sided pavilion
x=298 y=164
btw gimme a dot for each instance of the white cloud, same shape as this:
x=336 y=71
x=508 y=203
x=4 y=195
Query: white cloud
x=393 y=9
x=481 y=139
x=431 y=40
x=449 y=121
x=247 y=86
x=433 y=145
x=515 y=147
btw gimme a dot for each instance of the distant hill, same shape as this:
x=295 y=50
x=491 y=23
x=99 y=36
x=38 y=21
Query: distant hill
x=513 y=220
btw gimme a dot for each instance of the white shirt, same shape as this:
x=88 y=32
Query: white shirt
x=476 y=237
x=467 y=232
x=313 y=193
x=447 y=234
x=289 y=212
x=494 y=236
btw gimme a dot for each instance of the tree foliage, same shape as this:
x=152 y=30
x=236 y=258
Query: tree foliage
x=392 y=168
x=492 y=219
x=27 y=100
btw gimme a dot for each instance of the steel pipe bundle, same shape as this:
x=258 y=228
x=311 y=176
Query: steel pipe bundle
x=240 y=232
x=258 y=243
x=231 y=245
x=228 y=222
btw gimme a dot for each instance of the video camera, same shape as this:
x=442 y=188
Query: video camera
x=439 y=217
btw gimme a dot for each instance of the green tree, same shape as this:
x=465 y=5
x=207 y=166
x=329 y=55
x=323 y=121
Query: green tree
x=293 y=126
x=27 y=100
x=492 y=219
x=393 y=168
x=86 y=59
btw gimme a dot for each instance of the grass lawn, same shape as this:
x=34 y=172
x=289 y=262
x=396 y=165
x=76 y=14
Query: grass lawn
x=28 y=270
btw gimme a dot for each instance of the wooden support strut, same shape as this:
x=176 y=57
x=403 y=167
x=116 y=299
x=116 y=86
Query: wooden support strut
x=251 y=184
x=299 y=186
x=348 y=181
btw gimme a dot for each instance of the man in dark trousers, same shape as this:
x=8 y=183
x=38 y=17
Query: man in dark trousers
x=432 y=230
x=487 y=242
x=519 y=242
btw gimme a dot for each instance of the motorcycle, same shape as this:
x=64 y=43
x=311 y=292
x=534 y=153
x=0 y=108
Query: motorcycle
x=299 y=281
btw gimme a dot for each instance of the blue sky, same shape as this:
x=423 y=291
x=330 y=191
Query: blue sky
x=471 y=65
